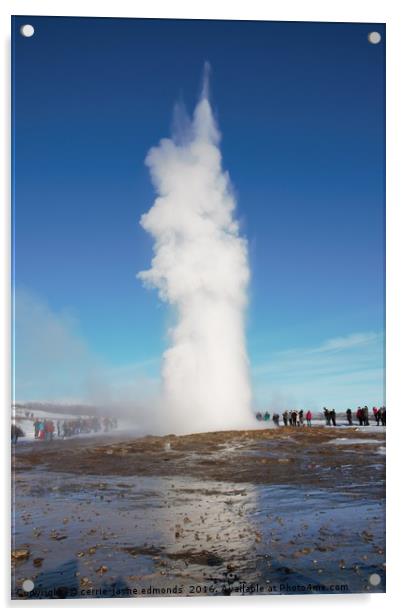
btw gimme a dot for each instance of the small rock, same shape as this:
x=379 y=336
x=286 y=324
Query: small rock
x=20 y=554
x=102 y=569
x=57 y=536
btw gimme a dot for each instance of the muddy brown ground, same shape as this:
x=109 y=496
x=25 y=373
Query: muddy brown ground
x=282 y=456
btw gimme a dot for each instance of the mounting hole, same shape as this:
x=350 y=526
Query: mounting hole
x=374 y=38
x=374 y=579
x=27 y=30
x=28 y=585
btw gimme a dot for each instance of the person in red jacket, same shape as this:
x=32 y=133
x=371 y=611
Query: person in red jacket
x=309 y=417
x=49 y=429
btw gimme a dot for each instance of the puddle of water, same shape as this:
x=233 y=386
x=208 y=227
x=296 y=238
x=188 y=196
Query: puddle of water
x=100 y=536
x=354 y=441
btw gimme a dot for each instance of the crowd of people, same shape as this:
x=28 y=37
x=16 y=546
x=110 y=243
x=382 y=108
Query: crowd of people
x=300 y=418
x=362 y=415
x=289 y=418
x=48 y=429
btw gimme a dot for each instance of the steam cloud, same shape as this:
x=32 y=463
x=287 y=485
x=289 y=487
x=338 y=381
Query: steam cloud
x=200 y=267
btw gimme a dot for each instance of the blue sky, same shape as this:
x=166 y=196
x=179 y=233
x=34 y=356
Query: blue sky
x=301 y=110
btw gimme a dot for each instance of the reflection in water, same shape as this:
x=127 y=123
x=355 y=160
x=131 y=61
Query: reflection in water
x=136 y=530
x=95 y=536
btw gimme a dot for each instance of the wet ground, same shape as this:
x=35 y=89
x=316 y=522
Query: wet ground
x=266 y=512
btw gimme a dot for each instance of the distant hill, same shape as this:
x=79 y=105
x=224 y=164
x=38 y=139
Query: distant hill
x=58 y=408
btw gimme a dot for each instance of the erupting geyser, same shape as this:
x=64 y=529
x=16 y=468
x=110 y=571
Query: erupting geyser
x=200 y=267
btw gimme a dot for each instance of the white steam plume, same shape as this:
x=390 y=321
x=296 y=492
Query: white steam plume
x=200 y=266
